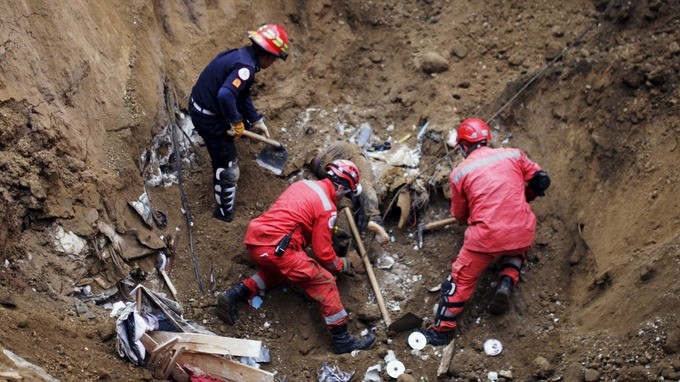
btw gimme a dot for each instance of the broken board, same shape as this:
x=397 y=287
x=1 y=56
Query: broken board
x=204 y=343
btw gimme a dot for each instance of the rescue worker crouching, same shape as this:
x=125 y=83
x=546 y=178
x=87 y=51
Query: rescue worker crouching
x=304 y=214
x=221 y=107
x=490 y=192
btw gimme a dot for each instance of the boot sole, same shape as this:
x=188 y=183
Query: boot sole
x=500 y=303
x=222 y=310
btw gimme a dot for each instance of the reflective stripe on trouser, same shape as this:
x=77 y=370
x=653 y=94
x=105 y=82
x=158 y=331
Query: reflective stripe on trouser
x=465 y=271
x=298 y=269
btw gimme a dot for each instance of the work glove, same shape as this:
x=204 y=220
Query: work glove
x=381 y=235
x=346 y=266
x=236 y=129
x=261 y=128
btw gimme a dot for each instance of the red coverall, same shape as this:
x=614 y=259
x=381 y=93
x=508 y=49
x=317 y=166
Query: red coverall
x=488 y=193
x=308 y=210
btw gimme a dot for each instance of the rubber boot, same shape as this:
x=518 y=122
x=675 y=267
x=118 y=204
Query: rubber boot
x=436 y=338
x=344 y=343
x=227 y=302
x=501 y=299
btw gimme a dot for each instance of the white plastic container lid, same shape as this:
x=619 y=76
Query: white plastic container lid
x=417 y=341
x=395 y=368
x=493 y=347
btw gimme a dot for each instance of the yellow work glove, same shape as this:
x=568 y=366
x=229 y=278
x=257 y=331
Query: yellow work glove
x=236 y=129
x=261 y=128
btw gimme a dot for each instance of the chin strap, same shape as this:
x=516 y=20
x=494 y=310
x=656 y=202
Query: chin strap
x=470 y=149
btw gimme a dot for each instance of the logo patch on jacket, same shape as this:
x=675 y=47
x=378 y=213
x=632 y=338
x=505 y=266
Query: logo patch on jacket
x=244 y=74
x=331 y=221
x=236 y=82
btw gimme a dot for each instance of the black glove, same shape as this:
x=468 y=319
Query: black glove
x=539 y=183
x=341 y=242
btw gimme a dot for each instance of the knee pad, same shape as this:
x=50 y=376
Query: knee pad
x=442 y=309
x=231 y=173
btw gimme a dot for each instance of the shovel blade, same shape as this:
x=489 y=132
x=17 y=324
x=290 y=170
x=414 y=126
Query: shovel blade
x=273 y=158
x=405 y=322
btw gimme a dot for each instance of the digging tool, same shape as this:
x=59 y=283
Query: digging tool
x=369 y=268
x=273 y=156
x=422 y=227
x=160 y=263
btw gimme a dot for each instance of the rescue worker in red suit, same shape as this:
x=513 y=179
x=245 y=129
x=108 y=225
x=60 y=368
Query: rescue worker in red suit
x=490 y=192
x=220 y=107
x=305 y=214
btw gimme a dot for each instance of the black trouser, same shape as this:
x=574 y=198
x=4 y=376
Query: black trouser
x=213 y=130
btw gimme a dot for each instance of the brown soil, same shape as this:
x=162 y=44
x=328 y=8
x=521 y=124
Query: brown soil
x=83 y=90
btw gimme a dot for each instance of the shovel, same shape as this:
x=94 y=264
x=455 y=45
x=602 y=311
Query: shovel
x=273 y=156
x=405 y=322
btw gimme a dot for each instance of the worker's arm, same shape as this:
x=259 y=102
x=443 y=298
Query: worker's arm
x=459 y=204
x=322 y=245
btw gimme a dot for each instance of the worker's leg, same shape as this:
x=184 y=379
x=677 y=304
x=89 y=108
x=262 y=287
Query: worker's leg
x=455 y=291
x=222 y=151
x=510 y=266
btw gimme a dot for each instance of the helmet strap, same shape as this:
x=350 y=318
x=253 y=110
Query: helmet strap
x=465 y=151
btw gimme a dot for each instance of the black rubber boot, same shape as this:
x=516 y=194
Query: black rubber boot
x=228 y=216
x=227 y=302
x=344 y=343
x=436 y=338
x=501 y=300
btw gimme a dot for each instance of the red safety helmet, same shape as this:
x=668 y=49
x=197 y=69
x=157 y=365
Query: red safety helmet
x=272 y=38
x=473 y=130
x=345 y=173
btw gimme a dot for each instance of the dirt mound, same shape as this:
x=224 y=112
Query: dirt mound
x=588 y=89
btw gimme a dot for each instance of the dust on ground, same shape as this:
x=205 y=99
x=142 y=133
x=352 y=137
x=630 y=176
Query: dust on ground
x=84 y=89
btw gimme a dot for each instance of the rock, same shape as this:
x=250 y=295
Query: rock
x=542 y=367
x=672 y=345
x=106 y=332
x=459 y=50
x=22 y=321
x=633 y=78
x=574 y=373
x=507 y=374
x=634 y=374
x=375 y=57
x=591 y=375
x=406 y=378
x=515 y=59
x=432 y=62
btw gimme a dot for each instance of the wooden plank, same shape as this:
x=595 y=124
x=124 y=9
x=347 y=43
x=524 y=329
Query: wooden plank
x=169 y=283
x=167 y=369
x=212 y=344
x=447 y=356
x=220 y=367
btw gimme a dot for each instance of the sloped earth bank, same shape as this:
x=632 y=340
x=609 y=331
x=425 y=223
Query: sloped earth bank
x=83 y=90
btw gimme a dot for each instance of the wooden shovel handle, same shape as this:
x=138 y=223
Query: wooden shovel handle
x=440 y=223
x=260 y=138
x=369 y=268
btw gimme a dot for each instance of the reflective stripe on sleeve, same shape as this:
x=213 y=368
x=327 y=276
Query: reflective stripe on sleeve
x=324 y=198
x=485 y=162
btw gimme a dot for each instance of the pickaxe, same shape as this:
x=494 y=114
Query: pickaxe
x=422 y=227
